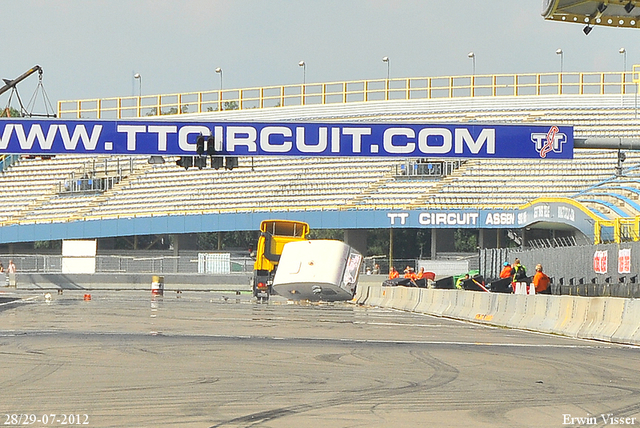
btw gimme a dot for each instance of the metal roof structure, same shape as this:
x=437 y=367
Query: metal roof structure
x=611 y=13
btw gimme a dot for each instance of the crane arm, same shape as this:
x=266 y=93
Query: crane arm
x=12 y=83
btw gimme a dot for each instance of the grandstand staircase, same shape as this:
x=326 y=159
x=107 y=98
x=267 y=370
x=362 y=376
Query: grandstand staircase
x=422 y=200
x=371 y=189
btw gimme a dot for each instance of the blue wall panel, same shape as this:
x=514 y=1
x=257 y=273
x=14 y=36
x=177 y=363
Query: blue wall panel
x=332 y=219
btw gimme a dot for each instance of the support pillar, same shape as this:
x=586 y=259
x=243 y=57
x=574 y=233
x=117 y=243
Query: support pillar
x=434 y=241
x=357 y=239
x=390 y=248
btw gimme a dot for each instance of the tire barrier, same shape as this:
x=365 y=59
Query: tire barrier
x=609 y=319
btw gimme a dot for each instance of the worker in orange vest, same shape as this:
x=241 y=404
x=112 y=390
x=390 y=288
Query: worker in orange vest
x=507 y=271
x=541 y=281
x=393 y=273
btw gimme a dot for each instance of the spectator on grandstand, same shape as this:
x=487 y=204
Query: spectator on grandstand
x=393 y=273
x=541 y=281
x=507 y=271
x=461 y=280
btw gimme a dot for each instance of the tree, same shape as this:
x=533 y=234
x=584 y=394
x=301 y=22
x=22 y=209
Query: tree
x=465 y=240
x=337 y=234
x=10 y=112
x=230 y=105
x=378 y=242
x=208 y=241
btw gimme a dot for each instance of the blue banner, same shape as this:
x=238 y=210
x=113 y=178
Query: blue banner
x=154 y=137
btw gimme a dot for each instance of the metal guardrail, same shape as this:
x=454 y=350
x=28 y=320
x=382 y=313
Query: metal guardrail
x=161 y=264
x=492 y=85
x=44 y=263
x=7 y=160
x=412 y=168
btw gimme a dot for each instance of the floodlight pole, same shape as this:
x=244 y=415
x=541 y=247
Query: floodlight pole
x=386 y=59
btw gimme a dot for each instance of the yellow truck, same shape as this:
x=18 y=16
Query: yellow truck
x=274 y=234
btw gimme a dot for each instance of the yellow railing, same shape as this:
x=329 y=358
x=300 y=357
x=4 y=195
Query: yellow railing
x=624 y=230
x=354 y=91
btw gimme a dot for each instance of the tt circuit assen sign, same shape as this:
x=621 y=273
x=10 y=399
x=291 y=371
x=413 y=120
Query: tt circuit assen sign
x=151 y=137
x=452 y=219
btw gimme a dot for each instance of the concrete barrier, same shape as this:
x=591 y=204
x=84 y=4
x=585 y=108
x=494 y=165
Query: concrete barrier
x=578 y=316
x=477 y=304
x=399 y=297
x=425 y=305
x=602 y=318
x=518 y=306
x=388 y=294
x=458 y=300
x=535 y=312
x=474 y=302
x=449 y=298
x=375 y=295
x=554 y=310
x=506 y=306
x=629 y=325
x=440 y=301
x=610 y=320
x=496 y=303
x=361 y=294
x=593 y=317
x=635 y=338
x=565 y=312
x=411 y=299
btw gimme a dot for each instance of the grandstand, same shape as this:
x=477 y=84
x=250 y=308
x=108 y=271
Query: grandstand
x=37 y=191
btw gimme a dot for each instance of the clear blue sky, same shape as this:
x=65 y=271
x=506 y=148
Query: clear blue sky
x=91 y=49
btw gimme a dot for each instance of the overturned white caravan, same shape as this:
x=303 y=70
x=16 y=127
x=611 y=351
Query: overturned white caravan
x=317 y=270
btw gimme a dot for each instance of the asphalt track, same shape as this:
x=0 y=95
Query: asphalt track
x=200 y=359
